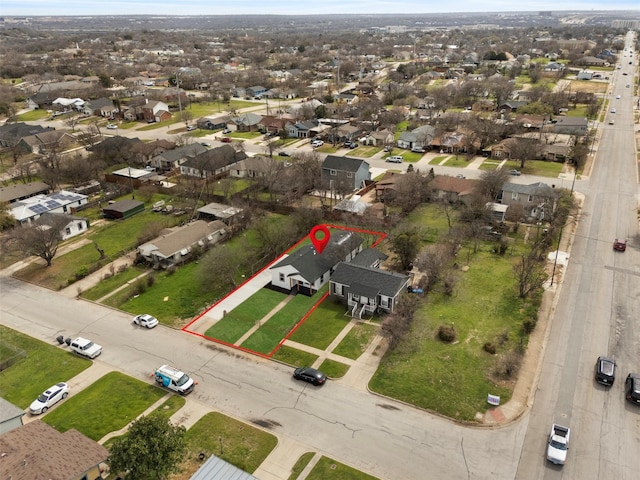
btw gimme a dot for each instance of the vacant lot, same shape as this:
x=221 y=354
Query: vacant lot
x=486 y=313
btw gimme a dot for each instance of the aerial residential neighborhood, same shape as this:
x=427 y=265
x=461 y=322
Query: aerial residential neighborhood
x=472 y=175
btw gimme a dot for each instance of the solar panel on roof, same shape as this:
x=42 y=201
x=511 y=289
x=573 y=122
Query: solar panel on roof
x=38 y=209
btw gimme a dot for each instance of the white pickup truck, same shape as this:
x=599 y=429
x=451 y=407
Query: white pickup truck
x=85 y=347
x=558 y=444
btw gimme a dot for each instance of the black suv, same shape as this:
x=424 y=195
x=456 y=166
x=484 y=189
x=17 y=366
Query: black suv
x=605 y=371
x=632 y=388
x=310 y=375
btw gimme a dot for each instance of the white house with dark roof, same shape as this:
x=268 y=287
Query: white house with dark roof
x=30 y=209
x=306 y=271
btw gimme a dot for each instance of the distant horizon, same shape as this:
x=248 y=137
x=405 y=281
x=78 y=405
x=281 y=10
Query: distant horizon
x=187 y=8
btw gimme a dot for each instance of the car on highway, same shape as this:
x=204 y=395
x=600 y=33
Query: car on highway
x=394 y=159
x=619 y=244
x=515 y=173
x=611 y=121
x=310 y=375
x=605 y=371
x=225 y=140
x=49 y=398
x=632 y=388
x=145 y=320
x=85 y=347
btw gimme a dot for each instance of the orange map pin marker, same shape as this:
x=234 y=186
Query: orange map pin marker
x=320 y=243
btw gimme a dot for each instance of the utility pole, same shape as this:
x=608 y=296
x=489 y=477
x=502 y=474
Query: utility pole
x=178 y=92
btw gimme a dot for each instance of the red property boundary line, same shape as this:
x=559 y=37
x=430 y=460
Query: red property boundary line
x=381 y=236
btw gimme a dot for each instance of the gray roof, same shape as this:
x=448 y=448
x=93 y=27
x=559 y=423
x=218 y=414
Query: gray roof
x=343 y=164
x=376 y=280
x=217 y=469
x=185 y=151
x=539 y=189
x=311 y=265
x=368 y=257
x=215 y=159
x=123 y=205
x=182 y=237
x=21 y=190
x=8 y=411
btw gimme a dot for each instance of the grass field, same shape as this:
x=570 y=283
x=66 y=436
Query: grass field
x=96 y=410
x=242 y=318
x=41 y=366
x=238 y=443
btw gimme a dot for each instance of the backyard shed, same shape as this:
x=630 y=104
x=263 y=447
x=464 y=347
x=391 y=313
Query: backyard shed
x=122 y=209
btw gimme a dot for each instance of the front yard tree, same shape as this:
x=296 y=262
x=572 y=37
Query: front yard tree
x=151 y=450
x=42 y=237
x=523 y=149
x=406 y=245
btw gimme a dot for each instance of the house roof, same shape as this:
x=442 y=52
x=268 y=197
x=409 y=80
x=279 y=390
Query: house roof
x=538 y=189
x=448 y=183
x=36 y=450
x=100 y=103
x=185 y=151
x=13 y=132
x=219 y=210
x=20 y=190
x=368 y=257
x=572 y=121
x=215 y=159
x=123 y=205
x=378 y=281
x=312 y=266
x=8 y=411
x=39 y=204
x=343 y=164
x=216 y=468
x=179 y=238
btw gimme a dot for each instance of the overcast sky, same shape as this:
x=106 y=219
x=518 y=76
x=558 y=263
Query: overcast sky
x=281 y=7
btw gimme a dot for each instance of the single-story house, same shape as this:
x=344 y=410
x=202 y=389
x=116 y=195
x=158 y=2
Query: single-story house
x=420 y=137
x=570 y=125
x=20 y=191
x=12 y=133
x=213 y=123
x=74 y=226
x=123 y=209
x=378 y=138
x=56 y=140
x=37 y=450
x=451 y=189
x=217 y=468
x=102 y=107
x=212 y=163
x=170 y=159
x=175 y=245
x=247 y=122
x=306 y=271
x=30 y=209
x=365 y=289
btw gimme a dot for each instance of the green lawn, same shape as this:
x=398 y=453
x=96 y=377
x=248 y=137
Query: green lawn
x=172 y=298
x=458 y=161
x=240 y=320
x=294 y=357
x=107 y=405
x=301 y=463
x=454 y=379
x=322 y=326
x=238 y=443
x=437 y=160
x=333 y=369
x=356 y=341
x=108 y=285
x=42 y=366
x=271 y=333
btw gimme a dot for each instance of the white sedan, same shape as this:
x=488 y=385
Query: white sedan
x=145 y=320
x=49 y=398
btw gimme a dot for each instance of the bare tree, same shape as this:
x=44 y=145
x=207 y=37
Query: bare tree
x=42 y=237
x=523 y=149
x=491 y=182
x=529 y=272
x=432 y=262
